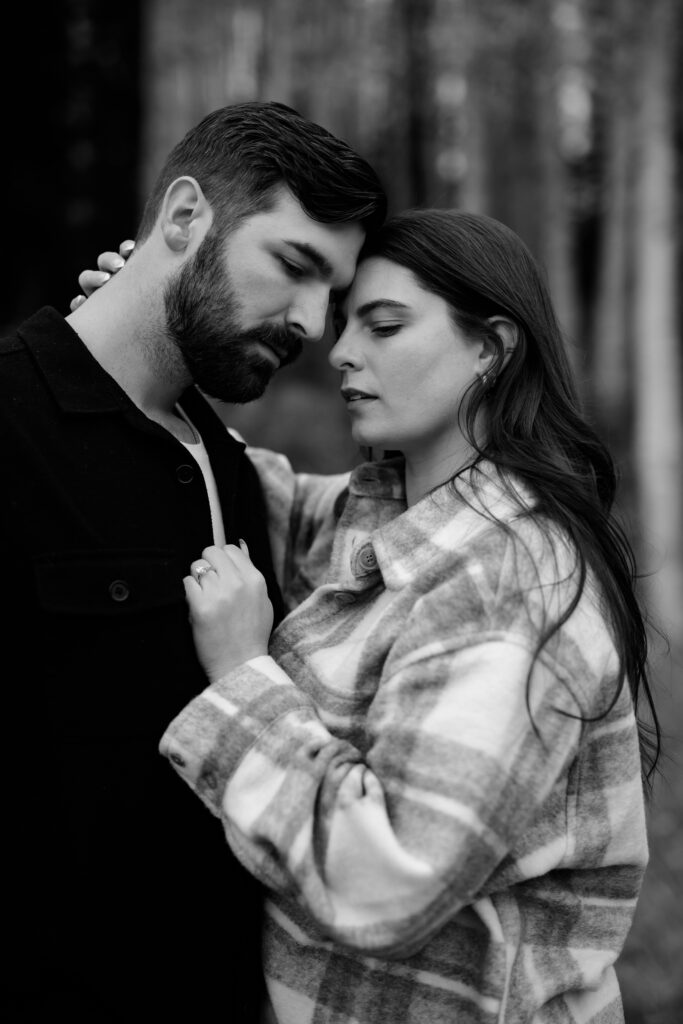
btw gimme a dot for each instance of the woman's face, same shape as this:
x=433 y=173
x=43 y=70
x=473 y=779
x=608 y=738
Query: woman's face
x=404 y=364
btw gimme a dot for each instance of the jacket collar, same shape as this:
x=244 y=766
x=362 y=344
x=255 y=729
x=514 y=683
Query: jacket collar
x=407 y=543
x=75 y=379
x=80 y=385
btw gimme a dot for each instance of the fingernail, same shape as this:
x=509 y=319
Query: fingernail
x=128 y=246
x=118 y=263
x=104 y=276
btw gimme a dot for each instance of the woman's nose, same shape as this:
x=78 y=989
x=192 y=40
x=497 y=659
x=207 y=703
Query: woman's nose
x=345 y=354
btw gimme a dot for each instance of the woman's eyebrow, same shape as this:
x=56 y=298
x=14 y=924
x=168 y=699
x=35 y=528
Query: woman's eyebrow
x=368 y=307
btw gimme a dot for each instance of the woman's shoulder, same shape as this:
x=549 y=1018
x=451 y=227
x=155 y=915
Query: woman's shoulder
x=318 y=492
x=514 y=520
x=302 y=511
x=528 y=568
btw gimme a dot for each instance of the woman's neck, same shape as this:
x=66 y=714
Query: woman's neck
x=426 y=470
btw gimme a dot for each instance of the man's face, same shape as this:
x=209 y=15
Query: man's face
x=242 y=306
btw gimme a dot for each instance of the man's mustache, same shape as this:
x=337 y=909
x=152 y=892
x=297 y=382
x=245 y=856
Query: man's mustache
x=287 y=344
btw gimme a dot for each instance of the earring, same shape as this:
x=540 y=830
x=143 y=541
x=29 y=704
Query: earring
x=488 y=379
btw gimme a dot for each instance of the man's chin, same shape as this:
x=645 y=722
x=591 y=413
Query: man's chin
x=238 y=392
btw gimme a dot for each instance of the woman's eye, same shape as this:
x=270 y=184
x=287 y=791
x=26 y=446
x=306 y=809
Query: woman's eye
x=385 y=330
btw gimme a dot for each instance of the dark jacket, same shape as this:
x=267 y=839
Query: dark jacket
x=101 y=513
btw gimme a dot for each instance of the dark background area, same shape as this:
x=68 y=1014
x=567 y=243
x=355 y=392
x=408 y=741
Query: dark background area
x=71 y=106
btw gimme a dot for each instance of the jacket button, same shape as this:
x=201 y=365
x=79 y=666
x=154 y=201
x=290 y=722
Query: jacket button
x=119 y=590
x=368 y=559
x=343 y=598
x=177 y=759
x=185 y=474
x=364 y=561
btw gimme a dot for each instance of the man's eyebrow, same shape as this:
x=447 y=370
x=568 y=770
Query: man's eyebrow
x=369 y=307
x=317 y=259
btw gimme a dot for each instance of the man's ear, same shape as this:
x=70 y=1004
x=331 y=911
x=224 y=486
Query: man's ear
x=185 y=215
x=508 y=335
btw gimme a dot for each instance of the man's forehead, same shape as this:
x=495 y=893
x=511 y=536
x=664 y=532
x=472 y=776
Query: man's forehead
x=331 y=248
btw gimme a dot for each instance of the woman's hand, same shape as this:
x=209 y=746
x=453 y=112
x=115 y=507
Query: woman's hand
x=230 y=611
x=109 y=263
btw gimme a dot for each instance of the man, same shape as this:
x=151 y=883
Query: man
x=121 y=900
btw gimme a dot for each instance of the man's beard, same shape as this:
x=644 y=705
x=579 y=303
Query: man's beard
x=202 y=315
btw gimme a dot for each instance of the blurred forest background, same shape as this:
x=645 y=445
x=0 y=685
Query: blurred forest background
x=563 y=118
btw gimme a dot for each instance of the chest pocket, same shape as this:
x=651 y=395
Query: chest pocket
x=120 y=582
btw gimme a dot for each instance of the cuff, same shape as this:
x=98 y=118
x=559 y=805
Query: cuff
x=206 y=742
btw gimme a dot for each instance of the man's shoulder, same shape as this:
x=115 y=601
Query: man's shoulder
x=13 y=338
x=15 y=363
x=10 y=344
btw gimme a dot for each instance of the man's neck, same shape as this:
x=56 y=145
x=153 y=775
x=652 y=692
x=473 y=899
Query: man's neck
x=124 y=329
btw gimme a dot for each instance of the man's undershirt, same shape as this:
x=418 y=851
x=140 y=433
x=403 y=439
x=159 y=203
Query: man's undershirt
x=199 y=453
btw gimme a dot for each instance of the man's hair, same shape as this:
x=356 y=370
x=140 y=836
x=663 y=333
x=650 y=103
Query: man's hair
x=242 y=153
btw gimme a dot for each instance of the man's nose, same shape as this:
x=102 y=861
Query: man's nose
x=307 y=317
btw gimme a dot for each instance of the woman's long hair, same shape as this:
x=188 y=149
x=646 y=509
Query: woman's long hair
x=534 y=425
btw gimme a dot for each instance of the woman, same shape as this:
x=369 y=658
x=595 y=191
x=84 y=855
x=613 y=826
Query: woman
x=435 y=763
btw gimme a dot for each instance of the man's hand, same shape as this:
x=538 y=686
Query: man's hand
x=108 y=263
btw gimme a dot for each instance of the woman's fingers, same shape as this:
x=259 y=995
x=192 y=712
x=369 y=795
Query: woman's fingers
x=200 y=569
x=90 y=280
x=108 y=263
x=192 y=588
x=230 y=612
x=229 y=564
x=239 y=557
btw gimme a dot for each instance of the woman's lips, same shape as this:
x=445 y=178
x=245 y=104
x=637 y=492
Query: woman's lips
x=351 y=395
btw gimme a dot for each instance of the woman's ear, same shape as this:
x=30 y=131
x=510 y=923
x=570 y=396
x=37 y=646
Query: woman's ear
x=185 y=214
x=496 y=352
x=508 y=332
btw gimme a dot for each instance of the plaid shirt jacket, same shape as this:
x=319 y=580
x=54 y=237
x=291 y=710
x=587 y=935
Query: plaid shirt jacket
x=445 y=837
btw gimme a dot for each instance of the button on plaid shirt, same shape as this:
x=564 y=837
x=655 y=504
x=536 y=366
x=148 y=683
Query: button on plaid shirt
x=444 y=836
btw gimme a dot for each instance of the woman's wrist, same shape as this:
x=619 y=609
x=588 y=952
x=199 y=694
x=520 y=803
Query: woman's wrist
x=238 y=658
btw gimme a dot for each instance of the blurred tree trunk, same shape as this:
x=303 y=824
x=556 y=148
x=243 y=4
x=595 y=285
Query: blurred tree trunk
x=657 y=363
x=476 y=186
x=611 y=331
x=649 y=968
x=416 y=18
x=279 y=61
x=196 y=58
x=516 y=168
x=550 y=209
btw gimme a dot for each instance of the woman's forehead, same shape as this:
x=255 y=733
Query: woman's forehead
x=377 y=277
